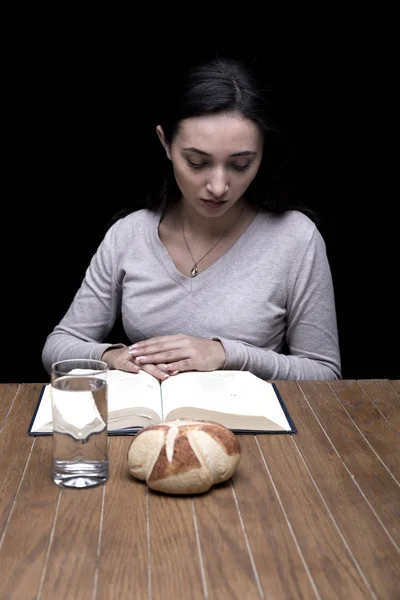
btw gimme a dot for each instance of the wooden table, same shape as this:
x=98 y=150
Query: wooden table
x=310 y=515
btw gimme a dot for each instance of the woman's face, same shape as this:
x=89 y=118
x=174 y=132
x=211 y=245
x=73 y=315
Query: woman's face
x=215 y=158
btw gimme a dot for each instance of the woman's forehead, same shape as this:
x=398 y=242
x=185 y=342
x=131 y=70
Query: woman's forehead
x=213 y=133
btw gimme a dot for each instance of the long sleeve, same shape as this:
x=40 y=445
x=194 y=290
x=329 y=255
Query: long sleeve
x=311 y=333
x=92 y=312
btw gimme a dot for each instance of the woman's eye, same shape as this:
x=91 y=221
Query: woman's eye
x=194 y=165
x=241 y=167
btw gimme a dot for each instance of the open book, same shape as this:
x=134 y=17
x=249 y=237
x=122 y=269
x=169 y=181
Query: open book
x=237 y=399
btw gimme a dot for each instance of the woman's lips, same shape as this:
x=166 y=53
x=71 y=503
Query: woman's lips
x=213 y=203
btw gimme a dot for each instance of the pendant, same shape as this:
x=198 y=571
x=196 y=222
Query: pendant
x=194 y=271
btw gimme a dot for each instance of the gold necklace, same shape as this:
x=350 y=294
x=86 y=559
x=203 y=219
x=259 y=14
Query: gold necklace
x=194 y=270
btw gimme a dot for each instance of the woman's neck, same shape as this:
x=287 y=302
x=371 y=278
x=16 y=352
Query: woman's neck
x=195 y=223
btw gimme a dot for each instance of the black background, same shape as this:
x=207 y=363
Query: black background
x=81 y=110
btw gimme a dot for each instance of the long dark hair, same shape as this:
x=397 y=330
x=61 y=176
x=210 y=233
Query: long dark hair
x=222 y=85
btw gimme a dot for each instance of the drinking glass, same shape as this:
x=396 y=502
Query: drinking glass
x=79 y=406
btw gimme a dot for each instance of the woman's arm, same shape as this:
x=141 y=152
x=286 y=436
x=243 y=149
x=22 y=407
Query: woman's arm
x=273 y=365
x=311 y=331
x=92 y=315
x=92 y=312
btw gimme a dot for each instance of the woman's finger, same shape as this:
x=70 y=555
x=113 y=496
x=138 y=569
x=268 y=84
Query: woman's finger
x=129 y=365
x=164 y=339
x=155 y=371
x=162 y=357
x=181 y=365
x=157 y=345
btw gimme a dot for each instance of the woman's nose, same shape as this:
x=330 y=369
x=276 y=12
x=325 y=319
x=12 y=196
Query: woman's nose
x=217 y=185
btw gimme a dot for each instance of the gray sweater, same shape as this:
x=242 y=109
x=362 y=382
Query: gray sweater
x=273 y=285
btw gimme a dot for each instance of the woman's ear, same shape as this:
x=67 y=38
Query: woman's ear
x=161 y=137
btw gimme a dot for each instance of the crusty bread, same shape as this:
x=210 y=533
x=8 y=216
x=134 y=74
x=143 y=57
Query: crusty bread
x=184 y=456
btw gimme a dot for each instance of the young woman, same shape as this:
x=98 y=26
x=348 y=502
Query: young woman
x=216 y=272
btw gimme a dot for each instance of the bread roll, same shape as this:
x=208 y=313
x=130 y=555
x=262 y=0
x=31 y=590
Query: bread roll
x=184 y=456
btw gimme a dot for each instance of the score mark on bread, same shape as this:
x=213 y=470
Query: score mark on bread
x=184 y=456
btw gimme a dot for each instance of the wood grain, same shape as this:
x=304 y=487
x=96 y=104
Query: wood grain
x=330 y=563
x=378 y=486
x=7 y=396
x=123 y=564
x=28 y=532
x=71 y=565
x=278 y=562
x=175 y=559
x=378 y=432
x=227 y=563
x=15 y=447
x=384 y=397
x=311 y=515
x=347 y=471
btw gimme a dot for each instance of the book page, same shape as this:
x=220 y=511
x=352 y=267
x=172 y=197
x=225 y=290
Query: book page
x=229 y=392
x=128 y=393
x=127 y=390
x=132 y=394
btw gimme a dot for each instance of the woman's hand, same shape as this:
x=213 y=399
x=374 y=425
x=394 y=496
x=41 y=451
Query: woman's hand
x=122 y=359
x=179 y=353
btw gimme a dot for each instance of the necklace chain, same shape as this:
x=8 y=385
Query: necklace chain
x=194 y=270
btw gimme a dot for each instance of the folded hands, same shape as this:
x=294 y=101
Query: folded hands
x=168 y=355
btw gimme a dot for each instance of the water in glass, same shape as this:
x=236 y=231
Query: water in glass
x=80 y=442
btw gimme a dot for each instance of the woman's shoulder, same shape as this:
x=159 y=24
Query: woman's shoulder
x=291 y=234
x=136 y=220
x=123 y=230
x=290 y=222
x=136 y=217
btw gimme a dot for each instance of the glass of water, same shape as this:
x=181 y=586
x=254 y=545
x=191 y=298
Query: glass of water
x=79 y=405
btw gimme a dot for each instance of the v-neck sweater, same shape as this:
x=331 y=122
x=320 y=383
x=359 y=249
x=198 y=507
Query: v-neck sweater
x=270 y=293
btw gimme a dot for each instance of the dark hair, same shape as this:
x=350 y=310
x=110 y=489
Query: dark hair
x=222 y=85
